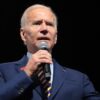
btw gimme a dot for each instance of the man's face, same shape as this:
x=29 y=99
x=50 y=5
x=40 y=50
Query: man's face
x=40 y=27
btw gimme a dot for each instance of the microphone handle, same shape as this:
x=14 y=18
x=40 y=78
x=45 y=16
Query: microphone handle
x=47 y=70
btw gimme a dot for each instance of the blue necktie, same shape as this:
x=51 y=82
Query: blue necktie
x=46 y=85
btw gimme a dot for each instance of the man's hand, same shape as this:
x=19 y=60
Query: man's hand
x=41 y=56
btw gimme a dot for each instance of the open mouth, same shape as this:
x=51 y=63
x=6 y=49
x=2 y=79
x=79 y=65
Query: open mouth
x=43 y=38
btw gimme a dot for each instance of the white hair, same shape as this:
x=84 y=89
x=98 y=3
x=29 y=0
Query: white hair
x=24 y=16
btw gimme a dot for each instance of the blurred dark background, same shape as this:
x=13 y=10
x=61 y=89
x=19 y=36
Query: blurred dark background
x=78 y=43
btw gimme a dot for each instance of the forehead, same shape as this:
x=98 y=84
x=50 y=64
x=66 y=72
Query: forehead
x=40 y=13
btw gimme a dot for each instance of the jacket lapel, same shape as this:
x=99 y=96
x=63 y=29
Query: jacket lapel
x=59 y=78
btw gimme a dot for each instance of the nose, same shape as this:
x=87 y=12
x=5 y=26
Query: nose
x=44 y=32
x=44 y=29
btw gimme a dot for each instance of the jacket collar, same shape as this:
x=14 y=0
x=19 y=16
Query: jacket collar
x=21 y=63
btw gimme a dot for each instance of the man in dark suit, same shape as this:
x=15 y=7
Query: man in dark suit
x=19 y=80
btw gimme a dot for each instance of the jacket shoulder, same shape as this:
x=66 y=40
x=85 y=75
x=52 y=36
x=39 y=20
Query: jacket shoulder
x=7 y=65
x=75 y=75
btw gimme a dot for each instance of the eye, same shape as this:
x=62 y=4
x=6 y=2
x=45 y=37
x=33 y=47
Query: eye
x=49 y=23
x=37 y=23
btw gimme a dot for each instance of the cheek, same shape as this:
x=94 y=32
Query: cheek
x=54 y=39
x=35 y=29
x=29 y=38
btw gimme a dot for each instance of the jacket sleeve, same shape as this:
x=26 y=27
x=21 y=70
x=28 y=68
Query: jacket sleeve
x=89 y=91
x=14 y=87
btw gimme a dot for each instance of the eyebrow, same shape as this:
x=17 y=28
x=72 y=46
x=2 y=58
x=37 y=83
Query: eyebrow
x=40 y=21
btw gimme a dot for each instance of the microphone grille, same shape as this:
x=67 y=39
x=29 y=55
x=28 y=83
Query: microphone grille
x=43 y=45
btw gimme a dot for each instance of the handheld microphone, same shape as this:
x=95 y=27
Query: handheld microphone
x=44 y=46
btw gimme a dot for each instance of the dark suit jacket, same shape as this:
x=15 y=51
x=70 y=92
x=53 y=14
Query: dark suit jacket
x=68 y=84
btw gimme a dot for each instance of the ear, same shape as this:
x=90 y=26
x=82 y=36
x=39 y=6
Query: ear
x=22 y=34
x=55 y=41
